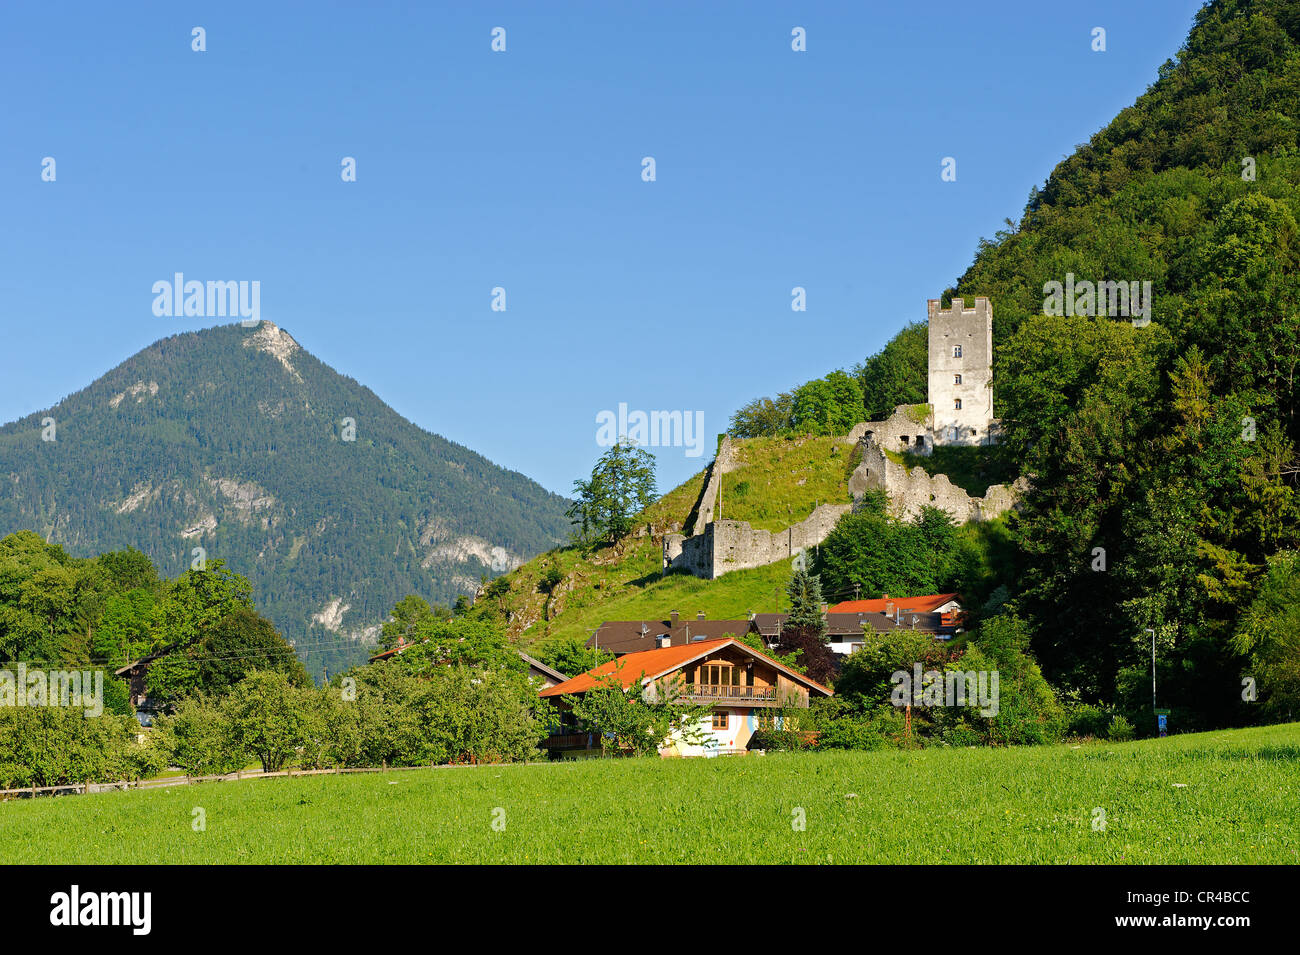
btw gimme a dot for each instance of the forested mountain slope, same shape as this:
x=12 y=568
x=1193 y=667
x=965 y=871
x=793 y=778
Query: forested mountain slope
x=235 y=440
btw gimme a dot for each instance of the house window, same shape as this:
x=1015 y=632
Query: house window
x=720 y=720
x=956 y=351
x=903 y=438
x=956 y=379
x=957 y=404
x=719 y=675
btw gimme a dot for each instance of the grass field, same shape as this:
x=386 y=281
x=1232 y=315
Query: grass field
x=1224 y=797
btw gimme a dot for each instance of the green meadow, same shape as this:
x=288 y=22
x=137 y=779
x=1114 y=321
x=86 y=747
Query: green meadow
x=1223 y=797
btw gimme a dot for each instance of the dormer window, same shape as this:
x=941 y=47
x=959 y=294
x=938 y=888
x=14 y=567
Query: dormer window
x=956 y=351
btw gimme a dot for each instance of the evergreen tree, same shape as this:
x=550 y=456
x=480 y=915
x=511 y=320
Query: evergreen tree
x=805 y=594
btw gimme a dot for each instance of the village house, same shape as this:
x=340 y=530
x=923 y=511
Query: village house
x=744 y=687
x=846 y=632
x=134 y=674
x=846 y=624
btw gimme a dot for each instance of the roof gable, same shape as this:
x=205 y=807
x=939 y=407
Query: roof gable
x=649 y=665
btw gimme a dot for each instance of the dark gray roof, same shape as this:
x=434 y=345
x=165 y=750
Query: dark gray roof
x=632 y=636
x=542 y=667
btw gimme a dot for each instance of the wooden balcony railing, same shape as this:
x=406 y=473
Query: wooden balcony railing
x=706 y=691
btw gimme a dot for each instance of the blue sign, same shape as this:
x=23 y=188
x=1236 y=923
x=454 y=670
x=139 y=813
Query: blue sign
x=1163 y=722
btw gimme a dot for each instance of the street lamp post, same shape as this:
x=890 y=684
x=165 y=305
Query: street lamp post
x=1151 y=631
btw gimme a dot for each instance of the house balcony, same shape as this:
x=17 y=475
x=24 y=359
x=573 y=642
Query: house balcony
x=753 y=695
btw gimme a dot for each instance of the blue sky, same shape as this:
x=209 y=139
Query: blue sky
x=522 y=170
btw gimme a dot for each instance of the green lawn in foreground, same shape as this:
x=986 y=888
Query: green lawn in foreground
x=1240 y=804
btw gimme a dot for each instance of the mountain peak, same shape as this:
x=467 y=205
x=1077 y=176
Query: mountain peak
x=275 y=341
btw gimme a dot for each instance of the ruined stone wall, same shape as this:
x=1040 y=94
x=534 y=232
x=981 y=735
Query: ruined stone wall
x=910 y=490
x=725 y=546
x=891 y=432
x=691 y=554
x=723 y=463
x=715 y=547
x=737 y=545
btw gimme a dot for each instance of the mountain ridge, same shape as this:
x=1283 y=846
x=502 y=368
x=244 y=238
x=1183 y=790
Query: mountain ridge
x=241 y=442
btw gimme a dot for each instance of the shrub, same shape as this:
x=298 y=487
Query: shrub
x=1120 y=730
x=881 y=729
x=1085 y=720
x=963 y=734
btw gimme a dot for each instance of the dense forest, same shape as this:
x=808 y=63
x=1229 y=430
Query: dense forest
x=1161 y=458
x=235 y=440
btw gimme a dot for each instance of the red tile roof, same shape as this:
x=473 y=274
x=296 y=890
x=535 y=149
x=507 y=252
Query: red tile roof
x=649 y=664
x=927 y=603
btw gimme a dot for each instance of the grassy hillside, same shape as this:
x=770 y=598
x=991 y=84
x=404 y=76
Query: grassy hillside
x=1225 y=797
x=776 y=482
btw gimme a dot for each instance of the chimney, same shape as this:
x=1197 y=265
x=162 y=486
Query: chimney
x=664 y=640
x=700 y=615
x=889 y=608
x=673 y=615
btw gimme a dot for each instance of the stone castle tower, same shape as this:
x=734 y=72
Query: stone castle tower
x=961 y=372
